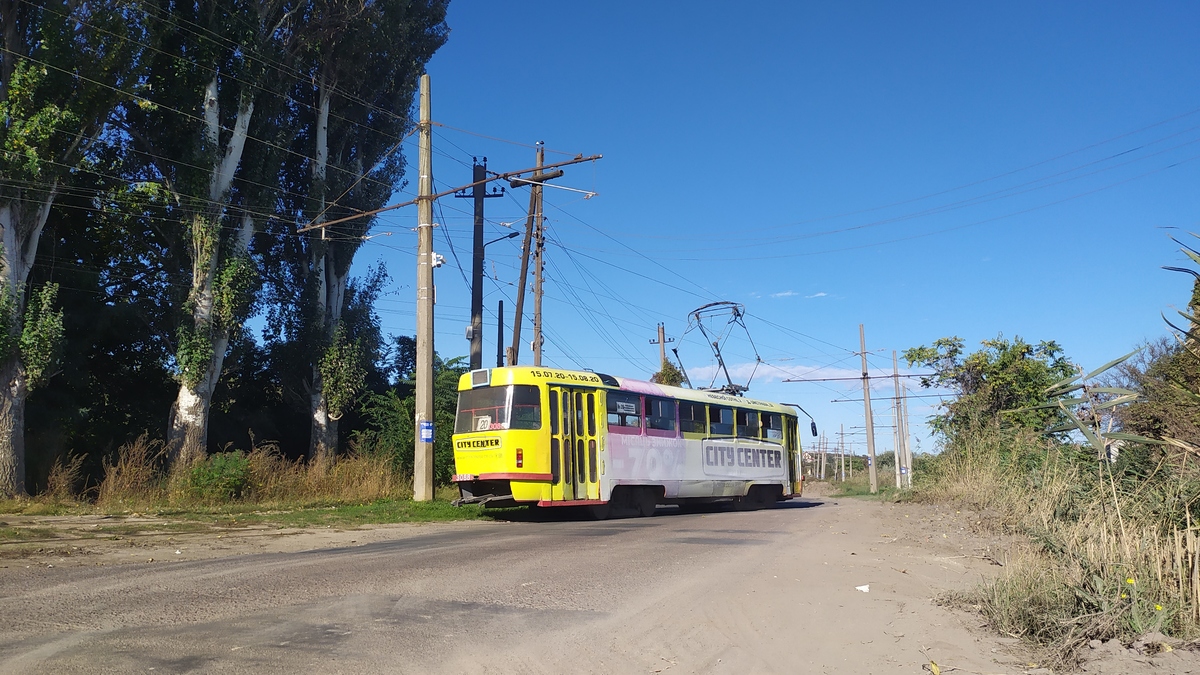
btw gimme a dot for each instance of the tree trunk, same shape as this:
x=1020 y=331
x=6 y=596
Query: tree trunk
x=188 y=424
x=323 y=436
x=12 y=428
x=187 y=433
x=21 y=224
x=324 y=439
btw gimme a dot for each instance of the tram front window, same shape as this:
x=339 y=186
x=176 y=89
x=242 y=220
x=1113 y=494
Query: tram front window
x=516 y=406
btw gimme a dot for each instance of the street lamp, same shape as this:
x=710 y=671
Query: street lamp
x=510 y=235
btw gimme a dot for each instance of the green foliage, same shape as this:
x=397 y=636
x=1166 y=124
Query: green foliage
x=1087 y=410
x=1169 y=381
x=41 y=335
x=668 y=374
x=342 y=372
x=32 y=124
x=10 y=331
x=1004 y=375
x=1167 y=407
x=391 y=417
x=58 y=84
x=235 y=291
x=194 y=354
x=219 y=477
x=37 y=338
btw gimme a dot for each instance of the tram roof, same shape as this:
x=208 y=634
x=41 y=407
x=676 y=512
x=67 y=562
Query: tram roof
x=539 y=375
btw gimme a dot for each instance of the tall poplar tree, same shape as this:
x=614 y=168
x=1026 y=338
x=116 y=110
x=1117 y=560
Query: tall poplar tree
x=363 y=62
x=63 y=66
x=209 y=96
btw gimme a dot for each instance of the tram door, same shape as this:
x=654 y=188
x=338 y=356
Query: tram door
x=791 y=439
x=574 y=460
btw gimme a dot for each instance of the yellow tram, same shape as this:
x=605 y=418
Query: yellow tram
x=532 y=435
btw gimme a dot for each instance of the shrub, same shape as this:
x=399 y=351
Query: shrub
x=220 y=477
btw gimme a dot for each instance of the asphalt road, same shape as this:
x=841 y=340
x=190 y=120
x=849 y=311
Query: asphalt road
x=763 y=591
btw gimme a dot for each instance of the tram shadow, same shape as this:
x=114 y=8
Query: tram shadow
x=560 y=514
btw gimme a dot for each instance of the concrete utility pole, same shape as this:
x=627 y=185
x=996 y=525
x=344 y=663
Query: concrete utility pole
x=662 y=344
x=423 y=439
x=824 y=456
x=539 y=264
x=478 y=193
x=899 y=450
x=870 y=421
x=842 y=450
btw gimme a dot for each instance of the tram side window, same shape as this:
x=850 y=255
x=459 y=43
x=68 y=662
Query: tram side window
x=747 y=423
x=526 y=407
x=772 y=424
x=660 y=414
x=624 y=411
x=692 y=417
x=720 y=421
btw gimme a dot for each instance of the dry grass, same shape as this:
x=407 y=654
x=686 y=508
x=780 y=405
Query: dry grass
x=65 y=476
x=1112 y=550
x=138 y=479
x=352 y=477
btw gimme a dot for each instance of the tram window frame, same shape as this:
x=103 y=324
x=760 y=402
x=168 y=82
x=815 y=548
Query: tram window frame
x=623 y=422
x=660 y=425
x=747 y=422
x=692 y=424
x=720 y=428
x=772 y=426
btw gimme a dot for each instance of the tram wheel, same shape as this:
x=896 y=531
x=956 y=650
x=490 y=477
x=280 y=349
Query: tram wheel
x=757 y=497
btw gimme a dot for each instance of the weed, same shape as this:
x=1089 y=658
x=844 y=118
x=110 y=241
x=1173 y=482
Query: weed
x=1109 y=555
x=64 y=476
x=135 y=479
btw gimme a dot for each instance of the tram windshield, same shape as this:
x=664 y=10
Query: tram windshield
x=516 y=406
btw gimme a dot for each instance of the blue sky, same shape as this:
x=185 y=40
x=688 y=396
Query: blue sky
x=925 y=169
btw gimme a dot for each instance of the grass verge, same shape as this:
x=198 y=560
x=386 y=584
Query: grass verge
x=228 y=490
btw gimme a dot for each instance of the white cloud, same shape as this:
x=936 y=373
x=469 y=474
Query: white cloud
x=817 y=295
x=784 y=294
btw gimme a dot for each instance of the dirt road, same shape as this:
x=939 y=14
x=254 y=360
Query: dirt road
x=814 y=586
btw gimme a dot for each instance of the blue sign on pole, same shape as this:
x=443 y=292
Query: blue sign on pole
x=426 y=431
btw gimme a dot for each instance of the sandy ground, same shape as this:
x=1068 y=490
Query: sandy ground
x=820 y=585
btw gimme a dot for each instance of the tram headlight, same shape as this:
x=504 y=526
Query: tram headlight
x=520 y=458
